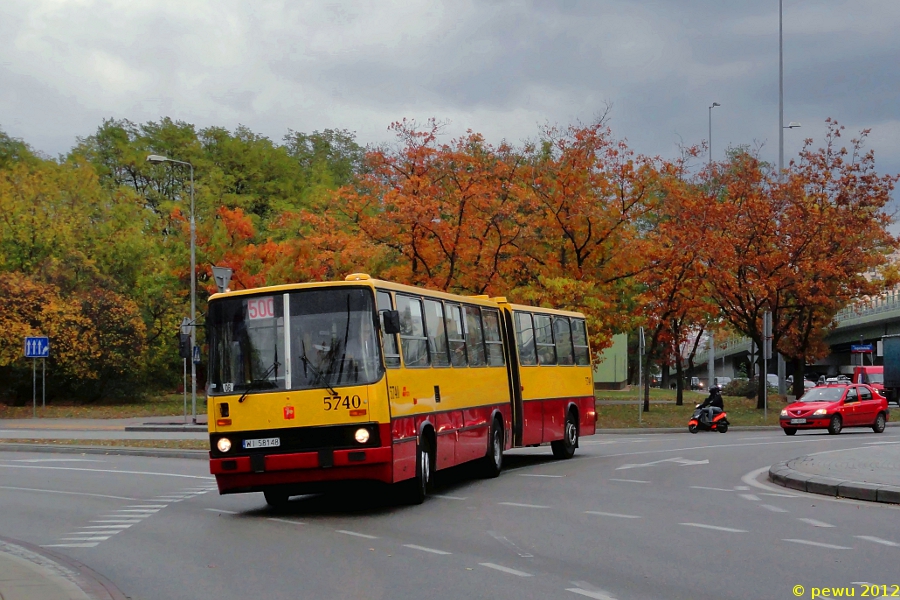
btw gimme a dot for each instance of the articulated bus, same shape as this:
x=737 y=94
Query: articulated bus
x=368 y=380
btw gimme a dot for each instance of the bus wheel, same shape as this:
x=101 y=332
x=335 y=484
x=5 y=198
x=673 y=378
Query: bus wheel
x=493 y=460
x=565 y=448
x=418 y=486
x=276 y=498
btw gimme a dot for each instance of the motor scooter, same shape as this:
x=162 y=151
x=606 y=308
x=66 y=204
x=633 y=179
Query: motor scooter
x=698 y=421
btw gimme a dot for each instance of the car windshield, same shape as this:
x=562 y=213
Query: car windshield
x=331 y=341
x=874 y=378
x=824 y=394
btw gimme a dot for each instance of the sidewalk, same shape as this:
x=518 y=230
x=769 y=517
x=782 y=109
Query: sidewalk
x=31 y=573
x=171 y=424
x=871 y=473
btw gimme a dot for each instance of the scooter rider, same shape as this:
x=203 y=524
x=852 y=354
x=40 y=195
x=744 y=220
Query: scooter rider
x=713 y=404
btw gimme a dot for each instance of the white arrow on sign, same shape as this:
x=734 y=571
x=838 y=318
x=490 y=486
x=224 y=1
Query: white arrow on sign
x=679 y=460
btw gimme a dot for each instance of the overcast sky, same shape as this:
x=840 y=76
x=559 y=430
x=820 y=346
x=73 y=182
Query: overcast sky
x=499 y=68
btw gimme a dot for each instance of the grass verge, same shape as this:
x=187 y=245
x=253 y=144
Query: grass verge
x=157 y=406
x=741 y=411
x=174 y=444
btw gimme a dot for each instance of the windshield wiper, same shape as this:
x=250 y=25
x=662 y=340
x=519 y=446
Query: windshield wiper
x=308 y=364
x=256 y=384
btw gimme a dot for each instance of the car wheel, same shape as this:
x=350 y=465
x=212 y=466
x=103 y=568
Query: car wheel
x=790 y=430
x=836 y=424
x=565 y=448
x=880 y=422
x=692 y=428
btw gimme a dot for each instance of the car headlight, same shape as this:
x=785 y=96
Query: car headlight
x=361 y=435
x=224 y=445
x=784 y=412
x=820 y=412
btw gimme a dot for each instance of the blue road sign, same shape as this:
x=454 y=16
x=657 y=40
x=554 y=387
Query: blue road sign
x=37 y=347
x=861 y=348
x=196 y=355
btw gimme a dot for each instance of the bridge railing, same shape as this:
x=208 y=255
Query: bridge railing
x=887 y=301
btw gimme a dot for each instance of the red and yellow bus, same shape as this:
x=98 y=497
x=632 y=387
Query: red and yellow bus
x=368 y=380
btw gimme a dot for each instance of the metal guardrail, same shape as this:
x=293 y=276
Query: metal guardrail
x=886 y=302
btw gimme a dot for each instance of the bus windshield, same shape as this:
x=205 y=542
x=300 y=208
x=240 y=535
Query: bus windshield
x=332 y=341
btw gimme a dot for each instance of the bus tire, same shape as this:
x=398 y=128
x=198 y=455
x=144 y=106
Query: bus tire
x=492 y=463
x=419 y=486
x=565 y=448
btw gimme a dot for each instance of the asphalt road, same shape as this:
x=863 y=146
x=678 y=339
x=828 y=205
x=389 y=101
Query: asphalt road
x=631 y=517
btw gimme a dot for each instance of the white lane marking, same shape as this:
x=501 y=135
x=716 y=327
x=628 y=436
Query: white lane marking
x=507 y=542
x=37 y=460
x=537 y=475
x=678 y=460
x=130 y=521
x=90 y=545
x=520 y=505
x=506 y=569
x=870 y=538
x=139 y=511
x=589 y=594
x=286 y=521
x=779 y=495
x=128 y=516
x=446 y=497
x=715 y=527
x=750 y=497
x=880 y=443
x=715 y=489
x=741 y=488
x=860 y=583
x=815 y=523
x=424 y=549
x=110 y=527
x=84 y=539
x=146 y=506
x=219 y=510
x=23 y=489
x=362 y=535
x=773 y=508
x=819 y=544
x=606 y=514
x=113 y=471
x=630 y=480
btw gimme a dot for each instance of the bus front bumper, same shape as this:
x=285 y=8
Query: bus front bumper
x=257 y=472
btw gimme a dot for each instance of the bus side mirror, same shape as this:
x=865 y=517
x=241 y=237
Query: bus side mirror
x=391 y=321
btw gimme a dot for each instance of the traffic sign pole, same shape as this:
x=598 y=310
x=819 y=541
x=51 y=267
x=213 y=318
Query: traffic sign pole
x=33 y=389
x=43 y=383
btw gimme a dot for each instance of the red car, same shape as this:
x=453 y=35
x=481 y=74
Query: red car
x=834 y=407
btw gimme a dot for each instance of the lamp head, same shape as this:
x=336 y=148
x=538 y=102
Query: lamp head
x=715 y=104
x=792 y=125
x=156 y=159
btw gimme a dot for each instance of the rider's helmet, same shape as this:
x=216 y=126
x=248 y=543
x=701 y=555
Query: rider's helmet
x=714 y=390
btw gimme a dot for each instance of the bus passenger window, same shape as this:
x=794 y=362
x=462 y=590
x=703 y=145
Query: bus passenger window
x=564 y=351
x=492 y=340
x=412 y=332
x=580 y=341
x=391 y=354
x=437 y=336
x=455 y=334
x=525 y=339
x=474 y=337
x=543 y=337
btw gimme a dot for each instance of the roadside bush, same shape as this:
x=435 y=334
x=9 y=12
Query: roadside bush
x=740 y=387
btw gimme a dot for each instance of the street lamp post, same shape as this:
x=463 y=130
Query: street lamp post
x=782 y=368
x=157 y=159
x=711 y=365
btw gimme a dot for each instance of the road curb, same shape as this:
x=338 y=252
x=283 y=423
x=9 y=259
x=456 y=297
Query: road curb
x=169 y=428
x=785 y=475
x=56 y=566
x=113 y=450
x=639 y=430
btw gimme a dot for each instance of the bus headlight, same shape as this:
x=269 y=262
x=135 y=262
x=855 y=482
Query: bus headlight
x=361 y=435
x=224 y=445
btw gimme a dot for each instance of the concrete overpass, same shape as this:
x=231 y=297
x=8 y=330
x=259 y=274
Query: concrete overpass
x=863 y=323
